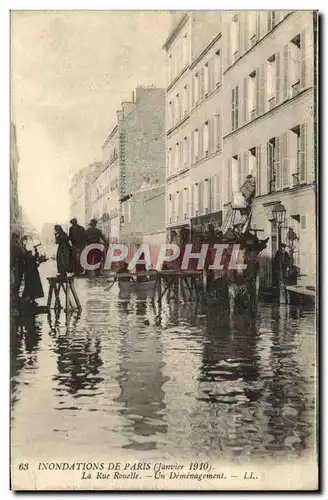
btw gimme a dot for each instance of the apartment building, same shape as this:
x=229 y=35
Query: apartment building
x=268 y=127
x=100 y=200
x=80 y=193
x=240 y=101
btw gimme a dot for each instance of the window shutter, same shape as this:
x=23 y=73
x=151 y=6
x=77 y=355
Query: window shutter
x=286 y=73
x=218 y=193
x=211 y=82
x=258 y=170
x=303 y=155
x=228 y=46
x=200 y=198
x=262 y=88
x=277 y=162
x=233 y=109
x=211 y=135
x=181 y=146
x=212 y=194
x=262 y=151
x=278 y=78
x=193 y=91
x=257 y=90
x=303 y=61
x=180 y=205
x=285 y=159
x=245 y=117
x=258 y=26
x=192 y=202
x=207 y=204
x=236 y=111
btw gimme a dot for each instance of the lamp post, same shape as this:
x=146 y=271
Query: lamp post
x=279 y=215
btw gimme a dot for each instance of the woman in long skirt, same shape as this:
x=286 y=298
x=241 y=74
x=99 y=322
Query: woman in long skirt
x=64 y=252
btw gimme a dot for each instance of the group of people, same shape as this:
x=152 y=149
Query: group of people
x=71 y=245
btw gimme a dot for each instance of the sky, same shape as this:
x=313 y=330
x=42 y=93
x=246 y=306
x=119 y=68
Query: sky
x=70 y=71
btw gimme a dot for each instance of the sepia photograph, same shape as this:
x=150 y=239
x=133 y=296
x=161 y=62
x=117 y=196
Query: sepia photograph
x=163 y=250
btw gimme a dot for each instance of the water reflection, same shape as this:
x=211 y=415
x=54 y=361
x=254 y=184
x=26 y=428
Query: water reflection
x=25 y=337
x=78 y=358
x=191 y=380
x=141 y=380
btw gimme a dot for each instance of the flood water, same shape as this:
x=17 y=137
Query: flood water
x=194 y=383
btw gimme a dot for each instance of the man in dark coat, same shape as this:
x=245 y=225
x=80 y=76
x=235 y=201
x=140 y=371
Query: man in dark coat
x=78 y=238
x=95 y=235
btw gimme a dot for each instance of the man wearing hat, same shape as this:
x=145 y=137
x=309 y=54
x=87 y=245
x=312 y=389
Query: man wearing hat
x=78 y=238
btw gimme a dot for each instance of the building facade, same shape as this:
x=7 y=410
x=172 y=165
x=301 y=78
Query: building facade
x=240 y=100
x=134 y=154
x=268 y=105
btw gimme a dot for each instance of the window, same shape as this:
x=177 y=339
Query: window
x=185 y=151
x=295 y=64
x=196 y=145
x=177 y=156
x=185 y=100
x=217 y=67
x=252 y=95
x=251 y=167
x=206 y=80
x=234 y=108
x=218 y=138
x=271 y=81
x=235 y=38
x=272 y=164
x=206 y=139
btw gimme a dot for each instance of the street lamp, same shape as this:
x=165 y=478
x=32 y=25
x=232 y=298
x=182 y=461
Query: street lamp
x=279 y=215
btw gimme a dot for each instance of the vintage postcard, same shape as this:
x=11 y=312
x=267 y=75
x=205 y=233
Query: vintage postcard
x=163 y=272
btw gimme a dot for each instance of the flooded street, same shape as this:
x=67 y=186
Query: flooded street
x=116 y=379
